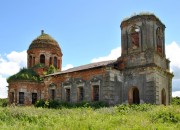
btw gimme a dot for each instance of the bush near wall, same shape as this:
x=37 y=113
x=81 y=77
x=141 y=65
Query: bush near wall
x=4 y=102
x=176 y=101
x=58 y=105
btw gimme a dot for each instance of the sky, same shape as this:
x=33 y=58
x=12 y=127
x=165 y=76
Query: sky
x=86 y=30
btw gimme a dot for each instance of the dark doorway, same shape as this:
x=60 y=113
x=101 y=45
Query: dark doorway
x=163 y=96
x=95 y=93
x=34 y=98
x=136 y=96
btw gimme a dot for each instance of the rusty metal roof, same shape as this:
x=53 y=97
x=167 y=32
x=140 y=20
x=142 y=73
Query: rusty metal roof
x=85 y=67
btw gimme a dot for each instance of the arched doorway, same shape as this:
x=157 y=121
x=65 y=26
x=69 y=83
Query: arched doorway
x=133 y=96
x=163 y=96
x=136 y=96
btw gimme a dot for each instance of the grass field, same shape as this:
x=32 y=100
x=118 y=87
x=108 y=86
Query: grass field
x=112 y=118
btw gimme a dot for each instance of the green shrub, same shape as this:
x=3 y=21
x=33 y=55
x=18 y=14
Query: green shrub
x=40 y=103
x=56 y=104
x=51 y=69
x=124 y=108
x=176 y=101
x=164 y=114
x=4 y=102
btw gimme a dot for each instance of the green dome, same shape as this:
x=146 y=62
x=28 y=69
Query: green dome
x=44 y=41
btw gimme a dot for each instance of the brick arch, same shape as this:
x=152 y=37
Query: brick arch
x=133 y=96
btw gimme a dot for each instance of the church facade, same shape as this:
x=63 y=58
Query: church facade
x=140 y=75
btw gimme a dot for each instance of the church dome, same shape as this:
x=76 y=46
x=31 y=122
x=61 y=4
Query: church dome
x=45 y=41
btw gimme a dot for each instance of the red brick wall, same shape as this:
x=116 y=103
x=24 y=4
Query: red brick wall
x=27 y=87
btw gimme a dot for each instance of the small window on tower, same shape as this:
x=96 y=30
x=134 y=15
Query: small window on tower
x=50 y=61
x=42 y=59
x=55 y=62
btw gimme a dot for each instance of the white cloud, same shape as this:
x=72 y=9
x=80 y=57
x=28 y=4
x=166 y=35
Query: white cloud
x=15 y=61
x=173 y=53
x=68 y=66
x=18 y=57
x=114 y=54
x=3 y=88
x=10 y=65
x=176 y=94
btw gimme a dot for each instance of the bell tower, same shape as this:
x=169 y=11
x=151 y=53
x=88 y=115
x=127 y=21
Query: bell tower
x=44 y=52
x=143 y=60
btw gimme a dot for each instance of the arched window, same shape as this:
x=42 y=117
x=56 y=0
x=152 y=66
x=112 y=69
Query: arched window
x=30 y=61
x=50 y=61
x=134 y=36
x=42 y=59
x=55 y=62
x=159 y=40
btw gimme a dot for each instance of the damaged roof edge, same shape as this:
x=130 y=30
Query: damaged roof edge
x=84 y=67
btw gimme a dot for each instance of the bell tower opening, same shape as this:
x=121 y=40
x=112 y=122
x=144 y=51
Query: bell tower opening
x=159 y=40
x=134 y=37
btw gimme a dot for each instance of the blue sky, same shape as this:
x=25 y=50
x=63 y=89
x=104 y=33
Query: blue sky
x=85 y=29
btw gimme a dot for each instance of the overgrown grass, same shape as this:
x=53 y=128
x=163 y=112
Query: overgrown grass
x=119 y=117
x=25 y=74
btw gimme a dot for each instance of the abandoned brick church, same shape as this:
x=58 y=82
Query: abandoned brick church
x=140 y=75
